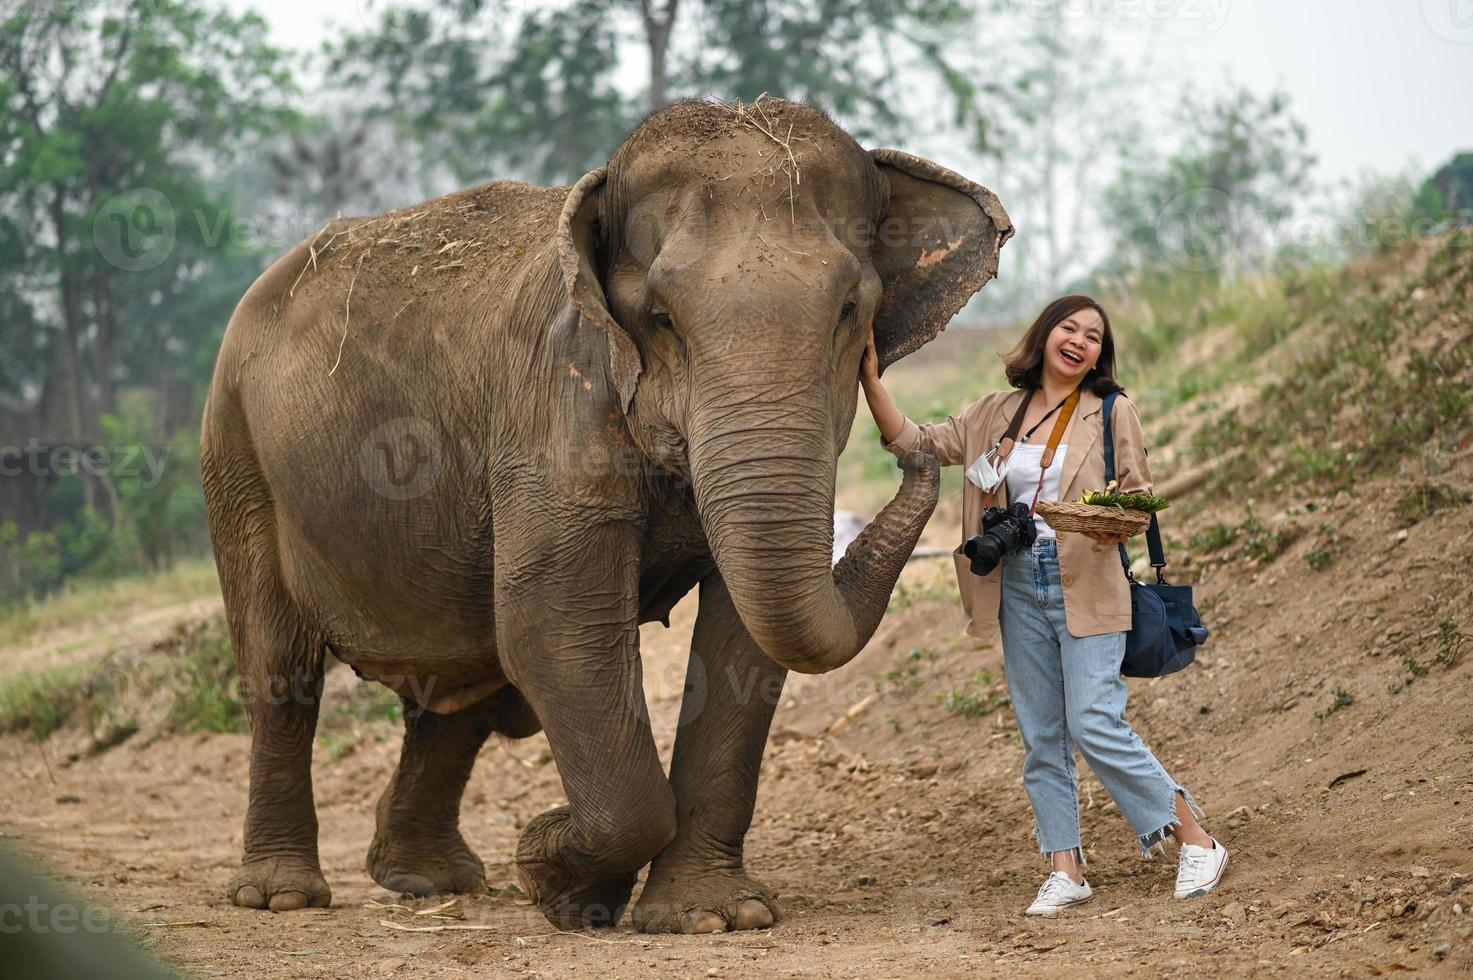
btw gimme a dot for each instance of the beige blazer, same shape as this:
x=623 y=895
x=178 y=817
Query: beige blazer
x=1096 y=594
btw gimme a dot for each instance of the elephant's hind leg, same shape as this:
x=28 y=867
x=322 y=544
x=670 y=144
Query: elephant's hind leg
x=417 y=846
x=279 y=660
x=698 y=883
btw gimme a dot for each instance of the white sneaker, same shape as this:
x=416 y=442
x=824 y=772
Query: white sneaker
x=1199 y=869
x=1058 y=894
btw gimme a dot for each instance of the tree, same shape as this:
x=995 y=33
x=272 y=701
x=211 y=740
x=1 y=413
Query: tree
x=1217 y=203
x=114 y=113
x=1061 y=118
x=548 y=93
x=117 y=120
x=1446 y=196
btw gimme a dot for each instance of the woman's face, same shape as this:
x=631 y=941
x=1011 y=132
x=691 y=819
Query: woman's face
x=1073 y=348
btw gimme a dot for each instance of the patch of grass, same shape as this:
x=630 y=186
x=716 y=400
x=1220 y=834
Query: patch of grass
x=1343 y=699
x=1215 y=538
x=977 y=699
x=41 y=701
x=346 y=723
x=1320 y=558
x=1254 y=540
x=84 y=600
x=906 y=671
x=206 y=694
x=1262 y=543
x=931 y=591
x=1414 y=669
x=186 y=682
x=1450 y=644
x=1426 y=499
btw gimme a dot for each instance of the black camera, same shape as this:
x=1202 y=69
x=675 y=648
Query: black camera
x=1003 y=532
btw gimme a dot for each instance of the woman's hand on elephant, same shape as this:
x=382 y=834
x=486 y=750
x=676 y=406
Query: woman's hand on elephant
x=869 y=364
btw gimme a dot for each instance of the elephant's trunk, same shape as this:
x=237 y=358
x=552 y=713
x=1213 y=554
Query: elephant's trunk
x=763 y=475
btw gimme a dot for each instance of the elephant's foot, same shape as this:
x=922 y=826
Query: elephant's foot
x=280 y=884
x=569 y=901
x=425 y=866
x=710 y=901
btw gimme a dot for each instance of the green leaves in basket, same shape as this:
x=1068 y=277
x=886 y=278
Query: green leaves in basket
x=1147 y=502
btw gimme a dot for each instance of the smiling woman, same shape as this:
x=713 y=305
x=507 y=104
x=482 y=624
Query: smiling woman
x=1061 y=602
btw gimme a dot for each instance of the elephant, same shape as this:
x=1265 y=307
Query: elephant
x=468 y=447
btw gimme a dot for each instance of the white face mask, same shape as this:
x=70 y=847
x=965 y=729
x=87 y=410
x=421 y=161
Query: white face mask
x=987 y=472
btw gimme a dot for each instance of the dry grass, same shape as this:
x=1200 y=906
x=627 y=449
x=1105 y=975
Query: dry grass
x=780 y=160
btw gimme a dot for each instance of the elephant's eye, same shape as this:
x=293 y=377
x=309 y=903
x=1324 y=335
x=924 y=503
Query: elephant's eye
x=847 y=311
x=662 y=319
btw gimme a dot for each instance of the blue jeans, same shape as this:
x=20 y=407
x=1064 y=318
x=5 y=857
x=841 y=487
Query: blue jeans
x=1067 y=692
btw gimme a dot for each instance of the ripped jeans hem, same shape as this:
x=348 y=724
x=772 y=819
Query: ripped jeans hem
x=1078 y=849
x=1156 y=840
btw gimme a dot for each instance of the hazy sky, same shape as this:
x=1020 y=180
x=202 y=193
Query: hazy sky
x=1381 y=84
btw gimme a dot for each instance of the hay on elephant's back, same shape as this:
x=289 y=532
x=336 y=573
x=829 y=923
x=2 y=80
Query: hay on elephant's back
x=482 y=231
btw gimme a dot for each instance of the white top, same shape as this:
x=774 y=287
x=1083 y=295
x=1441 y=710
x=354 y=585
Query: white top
x=1023 y=464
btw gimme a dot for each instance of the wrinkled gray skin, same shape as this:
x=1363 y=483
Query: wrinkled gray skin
x=471 y=446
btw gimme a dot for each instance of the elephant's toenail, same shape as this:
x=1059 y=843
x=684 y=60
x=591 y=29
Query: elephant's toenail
x=752 y=914
x=288 y=901
x=249 y=896
x=695 y=923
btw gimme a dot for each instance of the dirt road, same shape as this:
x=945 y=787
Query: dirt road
x=894 y=827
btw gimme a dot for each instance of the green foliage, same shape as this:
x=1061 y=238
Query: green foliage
x=1149 y=503
x=540 y=90
x=1447 y=195
x=1343 y=699
x=905 y=673
x=1254 y=540
x=39 y=702
x=1426 y=499
x=1357 y=390
x=119 y=122
x=1319 y=558
x=978 y=698
x=1450 y=643
x=155 y=510
x=1211 y=206
x=932 y=591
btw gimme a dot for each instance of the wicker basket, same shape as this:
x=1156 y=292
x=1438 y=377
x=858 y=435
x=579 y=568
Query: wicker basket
x=1069 y=516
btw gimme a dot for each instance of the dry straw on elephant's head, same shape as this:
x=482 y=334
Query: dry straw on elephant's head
x=780 y=159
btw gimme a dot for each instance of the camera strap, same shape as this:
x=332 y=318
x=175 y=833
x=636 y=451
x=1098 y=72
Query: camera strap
x=1054 y=437
x=1010 y=437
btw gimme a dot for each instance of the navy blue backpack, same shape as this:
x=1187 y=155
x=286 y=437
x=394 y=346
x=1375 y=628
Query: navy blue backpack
x=1165 y=629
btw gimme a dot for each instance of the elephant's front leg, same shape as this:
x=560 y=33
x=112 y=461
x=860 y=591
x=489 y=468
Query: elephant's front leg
x=567 y=597
x=698 y=883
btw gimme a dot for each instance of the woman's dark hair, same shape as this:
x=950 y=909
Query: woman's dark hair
x=1024 y=364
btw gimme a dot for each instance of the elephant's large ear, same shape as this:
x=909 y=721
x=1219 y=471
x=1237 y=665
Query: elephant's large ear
x=936 y=244
x=577 y=247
